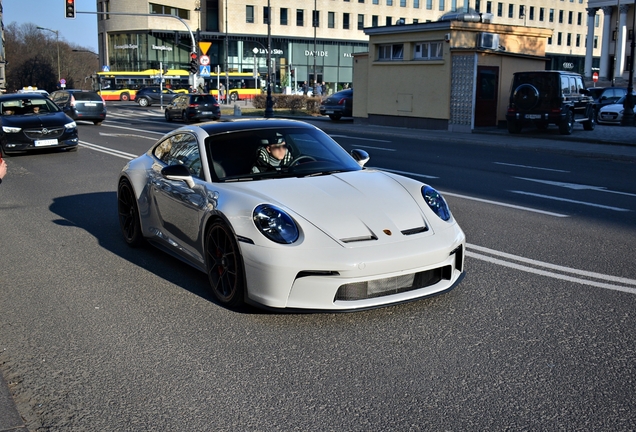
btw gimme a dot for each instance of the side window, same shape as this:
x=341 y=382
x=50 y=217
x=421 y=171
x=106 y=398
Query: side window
x=565 y=86
x=579 y=85
x=181 y=149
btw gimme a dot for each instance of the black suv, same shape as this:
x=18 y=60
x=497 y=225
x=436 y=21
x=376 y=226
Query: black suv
x=81 y=104
x=193 y=107
x=151 y=95
x=549 y=97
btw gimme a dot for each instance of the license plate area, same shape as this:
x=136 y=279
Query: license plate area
x=533 y=116
x=44 y=143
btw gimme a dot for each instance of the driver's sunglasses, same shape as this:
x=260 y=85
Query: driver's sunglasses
x=278 y=146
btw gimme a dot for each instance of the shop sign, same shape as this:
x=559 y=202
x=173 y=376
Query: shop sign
x=162 y=48
x=316 y=53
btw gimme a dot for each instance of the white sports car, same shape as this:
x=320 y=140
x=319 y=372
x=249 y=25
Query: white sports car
x=279 y=215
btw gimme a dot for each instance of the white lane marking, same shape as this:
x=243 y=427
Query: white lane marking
x=107 y=150
x=530 y=167
x=408 y=173
x=586 y=203
x=506 y=205
x=363 y=139
x=576 y=186
x=127 y=135
x=132 y=129
x=629 y=285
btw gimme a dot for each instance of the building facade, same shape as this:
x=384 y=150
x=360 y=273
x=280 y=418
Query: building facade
x=310 y=39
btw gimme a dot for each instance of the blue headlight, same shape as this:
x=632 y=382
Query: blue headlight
x=275 y=224
x=436 y=202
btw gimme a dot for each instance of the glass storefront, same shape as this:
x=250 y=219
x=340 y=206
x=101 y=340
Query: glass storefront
x=294 y=61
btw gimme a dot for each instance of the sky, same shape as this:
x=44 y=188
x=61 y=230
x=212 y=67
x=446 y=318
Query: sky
x=50 y=14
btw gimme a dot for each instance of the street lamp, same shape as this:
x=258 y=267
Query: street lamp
x=57 y=37
x=269 y=104
x=628 y=103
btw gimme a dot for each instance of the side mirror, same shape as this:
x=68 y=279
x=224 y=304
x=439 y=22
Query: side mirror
x=360 y=156
x=178 y=173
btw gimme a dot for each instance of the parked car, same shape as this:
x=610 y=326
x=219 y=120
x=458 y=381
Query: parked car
x=613 y=113
x=294 y=236
x=81 y=105
x=193 y=107
x=606 y=96
x=541 y=98
x=338 y=105
x=147 y=96
x=31 y=121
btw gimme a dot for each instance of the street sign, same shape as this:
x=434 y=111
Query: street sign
x=204 y=60
x=595 y=76
x=105 y=68
x=204 y=71
x=62 y=81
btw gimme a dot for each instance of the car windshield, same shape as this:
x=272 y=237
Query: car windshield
x=28 y=106
x=275 y=153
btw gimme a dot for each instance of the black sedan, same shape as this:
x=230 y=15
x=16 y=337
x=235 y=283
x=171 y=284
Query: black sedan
x=32 y=122
x=153 y=95
x=193 y=107
x=338 y=105
x=81 y=105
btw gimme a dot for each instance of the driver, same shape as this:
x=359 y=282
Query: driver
x=272 y=156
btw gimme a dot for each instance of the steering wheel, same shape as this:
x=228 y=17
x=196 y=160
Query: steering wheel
x=301 y=158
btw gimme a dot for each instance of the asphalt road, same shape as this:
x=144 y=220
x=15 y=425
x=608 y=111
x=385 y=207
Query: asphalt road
x=539 y=335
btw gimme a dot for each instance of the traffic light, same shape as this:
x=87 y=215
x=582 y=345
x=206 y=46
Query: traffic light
x=194 y=66
x=70 y=8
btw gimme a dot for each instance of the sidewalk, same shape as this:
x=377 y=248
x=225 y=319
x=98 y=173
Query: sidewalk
x=10 y=419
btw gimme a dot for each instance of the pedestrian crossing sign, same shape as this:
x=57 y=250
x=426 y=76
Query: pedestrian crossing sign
x=204 y=71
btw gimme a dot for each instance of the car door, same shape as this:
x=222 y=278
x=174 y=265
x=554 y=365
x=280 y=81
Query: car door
x=178 y=208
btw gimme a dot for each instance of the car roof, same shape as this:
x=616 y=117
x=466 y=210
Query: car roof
x=233 y=125
x=20 y=96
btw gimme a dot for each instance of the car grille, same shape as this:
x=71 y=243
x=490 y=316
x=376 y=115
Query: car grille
x=392 y=285
x=44 y=133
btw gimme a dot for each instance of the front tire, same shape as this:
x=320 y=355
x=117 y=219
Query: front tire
x=129 y=222
x=224 y=265
x=184 y=116
x=566 y=127
x=168 y=118
x=143 y=102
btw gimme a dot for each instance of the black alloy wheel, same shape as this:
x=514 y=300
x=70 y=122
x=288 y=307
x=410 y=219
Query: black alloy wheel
x=168 y=118
x=224 y=265
x=129 y=214
x=566 y=127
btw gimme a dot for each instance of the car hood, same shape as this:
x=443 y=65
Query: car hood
x=349 y=207
x=612 y=107
x=34 y=121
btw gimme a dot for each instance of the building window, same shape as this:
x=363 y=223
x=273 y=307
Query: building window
x=331 y=20
x=560 y=17
x=597 y=20
x=360 y=21
x=389 y=2
x=442 y=5
x=570 y=17
x=391 y=52
x=511 y=11
x=453 y=5
x=489 y=7
x=578 y=40
x=360 y=1
x=541 y=14
x=550 y=40
x=429 y=4
x=283 y=16
x=388 y=21
x=551 y=16
x=595 y=41
x=579 y=18
x=478 y=6
x=559 y=38
x=428 y=51
x=265 y=14
x=402 y=3
x=300 y=17
x=376 y=2
x=316 y=18
x=345 y=21
x=169 y=10
x=499 y=9
x=568 y=39
x=374 y=21
x=249 y=14
x=416 y=4
x=531 y=16
x=522 y=11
